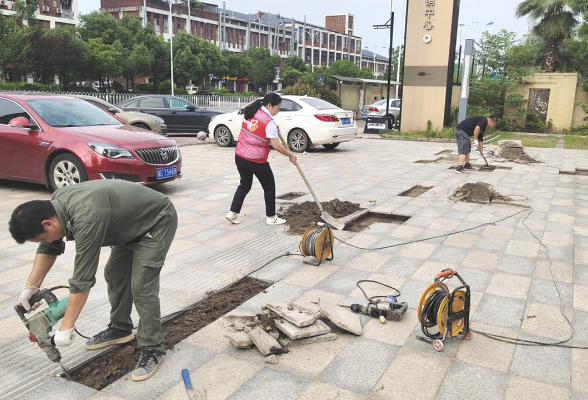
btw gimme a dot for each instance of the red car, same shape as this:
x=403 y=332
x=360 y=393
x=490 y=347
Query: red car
x=60 y=141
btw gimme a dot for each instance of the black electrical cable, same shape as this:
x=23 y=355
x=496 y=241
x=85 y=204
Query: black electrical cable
x=430 y=311
x=371 y=299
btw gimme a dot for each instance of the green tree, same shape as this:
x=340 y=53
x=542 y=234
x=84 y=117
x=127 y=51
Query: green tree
x=25 y=10
x=99 y=25
x=555 y=21
x=105 y=60
x=138 y=63
x=289 y=76
x=296 y=63
x=8 y=29
x=263 y=66
x=160 y=52
x=238 y=65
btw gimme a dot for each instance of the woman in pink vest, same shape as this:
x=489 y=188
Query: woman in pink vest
x=257 y=132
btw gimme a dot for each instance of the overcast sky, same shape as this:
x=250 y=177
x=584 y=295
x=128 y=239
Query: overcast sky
x=473 y=13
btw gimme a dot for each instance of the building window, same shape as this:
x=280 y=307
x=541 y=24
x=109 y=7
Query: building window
x=165 y=25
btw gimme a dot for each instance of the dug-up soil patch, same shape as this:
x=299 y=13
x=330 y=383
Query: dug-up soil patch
x=415 y=191
x=371 y=218
x=112 y=365
x=300 y=216
x=290 y=196
x=439 y=160
x=478 y=192
x=516 y=154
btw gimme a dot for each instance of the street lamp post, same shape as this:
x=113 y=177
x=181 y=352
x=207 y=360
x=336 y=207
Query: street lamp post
x=171 y=46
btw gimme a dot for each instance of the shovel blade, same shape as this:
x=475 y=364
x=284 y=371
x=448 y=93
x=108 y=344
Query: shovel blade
x=332 y=221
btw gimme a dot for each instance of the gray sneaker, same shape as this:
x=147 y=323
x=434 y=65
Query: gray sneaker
x=149 y=360
x=108 y=337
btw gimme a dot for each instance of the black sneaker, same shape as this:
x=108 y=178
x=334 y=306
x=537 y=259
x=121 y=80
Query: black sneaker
x=149 y=360
x=468 y=166
x=108 y=337
x=460 y=170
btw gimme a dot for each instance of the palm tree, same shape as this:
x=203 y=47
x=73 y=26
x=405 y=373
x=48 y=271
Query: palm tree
x=555 y=21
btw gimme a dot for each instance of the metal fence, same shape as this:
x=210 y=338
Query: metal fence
x=218 y=102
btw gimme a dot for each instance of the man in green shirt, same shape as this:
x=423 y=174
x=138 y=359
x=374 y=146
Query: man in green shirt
x=138 y=224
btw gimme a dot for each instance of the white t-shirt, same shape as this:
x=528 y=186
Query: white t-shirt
x=271 y=129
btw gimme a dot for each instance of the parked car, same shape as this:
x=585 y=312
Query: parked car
x=61 y=141
x=179 y=115
x=207 y=93
x=134 y=118
x=304 y=122
x=379 y=109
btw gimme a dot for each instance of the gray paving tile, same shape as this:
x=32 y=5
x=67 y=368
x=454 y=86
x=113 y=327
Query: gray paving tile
x=59 y=389
x=400 y=266
x=559 y=227
x=344 y=254
x=579 y=396
x=500 y=311
x=478 y=279
x=208 y=234
x=517 y=265
x=547 y=364
x=343 y=281
x=558 y=253
x=8 y=262
x=580 y=321
x=491 y=244
x=416 y=340
x=449 y=254
x=279 y=269
x=543 y=291
x=467 y=381
x=581 y=274
x=196 y=254
x=167 y=376
x=278 y=292
x=271 y=384
x=359 y=366
x=412 y=290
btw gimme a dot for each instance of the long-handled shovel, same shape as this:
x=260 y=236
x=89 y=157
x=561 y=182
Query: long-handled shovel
x=486 y=167
x=325 y=216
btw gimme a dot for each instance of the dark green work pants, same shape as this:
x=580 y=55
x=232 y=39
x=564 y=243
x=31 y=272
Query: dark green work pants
x=132 y=274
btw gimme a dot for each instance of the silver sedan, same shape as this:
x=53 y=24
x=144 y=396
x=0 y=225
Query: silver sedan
x=379 y=109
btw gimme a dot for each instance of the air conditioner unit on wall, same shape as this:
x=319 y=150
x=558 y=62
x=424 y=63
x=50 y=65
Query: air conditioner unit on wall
x=2 y=2
x=45 y=8
x=59 y=11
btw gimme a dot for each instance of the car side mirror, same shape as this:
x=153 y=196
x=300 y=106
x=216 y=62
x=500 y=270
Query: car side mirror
x=21 y=122
x=190 y=108
x=240 y=111
x=113 y=110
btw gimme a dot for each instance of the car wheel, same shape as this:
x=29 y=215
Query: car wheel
x=298 y=141
x=142 y=126
x=330 y=145
x=223 y=136
x=66 y=170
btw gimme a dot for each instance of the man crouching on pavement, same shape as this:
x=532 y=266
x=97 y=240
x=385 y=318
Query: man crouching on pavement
x=138 y=223
x=474 y=126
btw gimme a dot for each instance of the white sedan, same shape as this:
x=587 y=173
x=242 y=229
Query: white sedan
x=304 y=121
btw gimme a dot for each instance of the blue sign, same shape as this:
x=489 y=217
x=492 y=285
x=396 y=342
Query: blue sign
x=319 y=78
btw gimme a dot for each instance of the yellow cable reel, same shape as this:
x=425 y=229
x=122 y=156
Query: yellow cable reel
x=318 y=241
x=432 y=288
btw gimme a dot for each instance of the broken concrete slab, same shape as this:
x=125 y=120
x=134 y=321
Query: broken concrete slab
x=295 y=314
x=240 y=340
x=343 y=318
x=294 y=332
x=273 y=359
x=315 y=339
x=264 y=342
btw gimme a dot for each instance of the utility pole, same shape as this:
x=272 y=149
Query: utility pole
x=224 y=25
x=400 y=49
x=144 y=13
x=248 y=38
x=171 y=46
x=465 y=82
x=388 y=25
x=304 y=42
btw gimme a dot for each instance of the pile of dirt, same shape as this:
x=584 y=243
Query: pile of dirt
x=479 y=192
x=120 y=360
x=303 y=215
x=515 y=153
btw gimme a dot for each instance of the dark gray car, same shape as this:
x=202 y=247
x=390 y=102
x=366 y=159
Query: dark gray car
x=180 y=115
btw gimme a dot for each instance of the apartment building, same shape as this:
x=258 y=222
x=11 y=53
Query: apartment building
x=51 y=13
x=374 y=62
x=237 y=31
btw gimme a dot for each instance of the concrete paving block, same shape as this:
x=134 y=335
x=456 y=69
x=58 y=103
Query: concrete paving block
x=412 y=290
x=59 y=389
x=547 y=321
x=344 y=254
x=278 y=292
x=545 y=291
x=522 y=388
x=340 y=316
x=294 y=332
x=559 y=227
x=211 y=337
x=311 y=297
x=475 y=351
x=322 y=391
x=391 y=332
x=498 y=232
x=403 y=379
x=327 y=337
x=407 y=232
x=103 y=396
x=581 y=297
x=168 y=374
x=400 y=266
x=581 y=256
x=294 y=314
x=359 y=366
x=509 y=285
x=500 y=311
x=579 y=396
x=279 y=269
x=343 y=281
x=368 y=261
x=421 y=250
x=449 y=254
x=445 y=224
x=517 y=265
x=240 y=340
x=580 y=276
x=497 y=245
x=265 y=343
x=580 y=327
x=377 y=289
x=467 y=381
x=309 y=276
x=462 y=240
x=522 y=249
x=482 y=259
x=558 y=253
x=579 y=365
x=558 y=239
x=478 y=279
x=263 y=386
x=545 y=364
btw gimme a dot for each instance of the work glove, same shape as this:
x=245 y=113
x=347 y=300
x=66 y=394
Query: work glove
x=64 y=338
x=26 y=295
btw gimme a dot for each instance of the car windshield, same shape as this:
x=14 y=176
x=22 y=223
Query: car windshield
x=71 y=113
x=318 y=103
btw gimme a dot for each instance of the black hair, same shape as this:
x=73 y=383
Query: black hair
x=493 y=118
x=271 y=98
x=26 y=221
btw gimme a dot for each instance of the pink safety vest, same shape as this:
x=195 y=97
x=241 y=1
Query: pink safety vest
x=253 y=144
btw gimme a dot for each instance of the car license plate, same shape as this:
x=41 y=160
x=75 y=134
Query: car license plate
x=345 y=121
x=167 y=172
x=363 y=115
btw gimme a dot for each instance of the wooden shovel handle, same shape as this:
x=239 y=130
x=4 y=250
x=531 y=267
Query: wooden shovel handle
x=318 y=203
